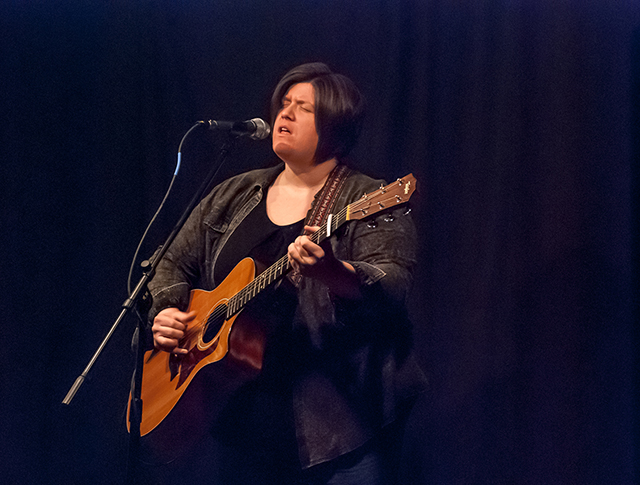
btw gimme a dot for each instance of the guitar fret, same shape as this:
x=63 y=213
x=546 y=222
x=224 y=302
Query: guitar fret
x=230 y=307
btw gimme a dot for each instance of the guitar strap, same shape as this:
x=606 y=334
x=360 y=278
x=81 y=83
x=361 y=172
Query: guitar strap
x=328 y=195
x=325 y=200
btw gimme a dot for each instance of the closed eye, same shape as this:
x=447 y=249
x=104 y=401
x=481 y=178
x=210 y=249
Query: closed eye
x=303 y=105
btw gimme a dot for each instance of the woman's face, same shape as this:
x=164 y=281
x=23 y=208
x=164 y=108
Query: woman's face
x=295 y=138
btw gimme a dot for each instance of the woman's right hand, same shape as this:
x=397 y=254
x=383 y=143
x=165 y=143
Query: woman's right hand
x=169 y=327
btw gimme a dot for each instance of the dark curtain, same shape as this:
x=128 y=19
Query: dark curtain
x=520 y=120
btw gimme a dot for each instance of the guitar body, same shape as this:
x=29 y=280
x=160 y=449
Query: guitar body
x=177 y=412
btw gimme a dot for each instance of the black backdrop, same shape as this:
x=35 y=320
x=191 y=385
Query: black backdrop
x=518 y=117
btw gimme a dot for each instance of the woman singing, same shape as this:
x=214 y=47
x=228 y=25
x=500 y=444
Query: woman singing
x=338 y=376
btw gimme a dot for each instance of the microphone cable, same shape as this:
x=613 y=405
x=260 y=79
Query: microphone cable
x=166 y=195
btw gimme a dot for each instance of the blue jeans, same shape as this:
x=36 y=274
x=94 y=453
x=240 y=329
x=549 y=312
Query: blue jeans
x=361 y=469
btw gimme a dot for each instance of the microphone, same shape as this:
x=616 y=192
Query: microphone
x=256 y=128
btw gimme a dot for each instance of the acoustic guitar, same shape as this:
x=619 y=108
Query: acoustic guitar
x=214 y=336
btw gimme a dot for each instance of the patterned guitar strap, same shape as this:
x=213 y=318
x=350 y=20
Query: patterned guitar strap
x=325 y=201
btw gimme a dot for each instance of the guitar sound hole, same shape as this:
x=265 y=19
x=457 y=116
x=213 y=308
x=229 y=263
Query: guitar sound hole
x=214 y=323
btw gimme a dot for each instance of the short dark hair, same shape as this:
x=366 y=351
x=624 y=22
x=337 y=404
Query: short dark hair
x=339 y=108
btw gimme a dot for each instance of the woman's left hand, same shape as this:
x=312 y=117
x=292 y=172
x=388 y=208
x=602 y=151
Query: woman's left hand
x=310 y=259
x=305 y=256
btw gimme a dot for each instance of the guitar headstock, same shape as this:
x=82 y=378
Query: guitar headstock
x=396 y=193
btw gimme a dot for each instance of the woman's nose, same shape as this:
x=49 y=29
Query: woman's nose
x=287 y=112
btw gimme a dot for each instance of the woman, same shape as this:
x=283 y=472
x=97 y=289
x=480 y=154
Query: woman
x=337 y=370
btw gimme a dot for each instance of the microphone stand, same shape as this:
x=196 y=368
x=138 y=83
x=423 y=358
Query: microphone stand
x=139 y=296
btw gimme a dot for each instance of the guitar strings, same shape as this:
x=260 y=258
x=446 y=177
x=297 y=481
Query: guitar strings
x=218 y=312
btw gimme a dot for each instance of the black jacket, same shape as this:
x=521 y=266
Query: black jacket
x=352 y=361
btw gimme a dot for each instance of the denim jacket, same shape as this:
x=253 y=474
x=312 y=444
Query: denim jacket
x=353 y=361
